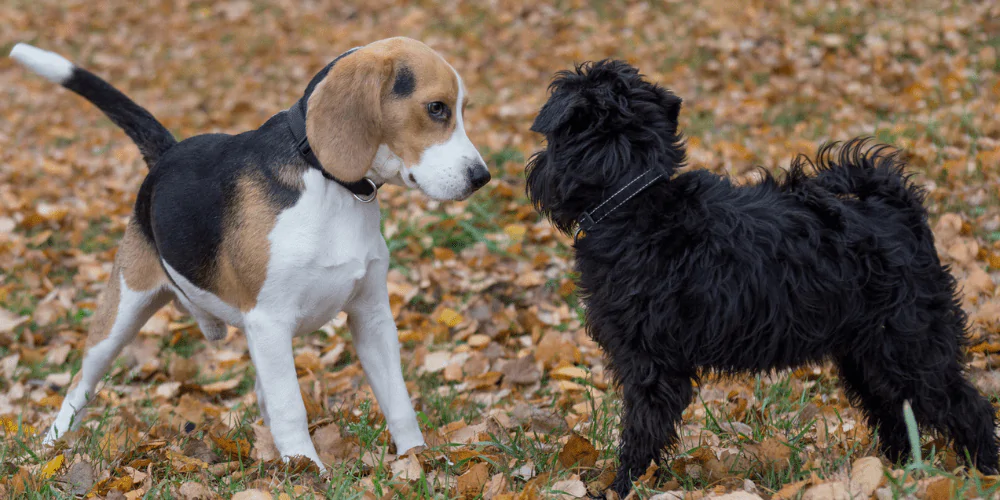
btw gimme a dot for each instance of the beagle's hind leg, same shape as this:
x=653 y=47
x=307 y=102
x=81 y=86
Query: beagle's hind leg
x=135 y=290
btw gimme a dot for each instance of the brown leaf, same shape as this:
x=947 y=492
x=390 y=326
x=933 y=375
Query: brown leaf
x=597 y=486
x=775 y=452
x=9 y=321
x=484 y=381
x=313 y=409
x=866 y=475
x=196 y=491
x=471 y=483
x=963 y=251
x=330 y=446
x=496 y=486
x=790 y=490
x=834 y=490
x=739 y=495
x=307 y=361
x=522 y=371
x=978 y=282
x=252 y=495
x=79 y=478
x=406 y=468
x=569 y=373
x=234 y=449
x=569 y=488
x=578 y=451
x=220 y=386
x=114 y=483
x=941 y=488
x=184 y=463
x=197 y=448
x=554 y=348
x=263 y=444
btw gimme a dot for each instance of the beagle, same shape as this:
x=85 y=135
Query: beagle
x=276 y=230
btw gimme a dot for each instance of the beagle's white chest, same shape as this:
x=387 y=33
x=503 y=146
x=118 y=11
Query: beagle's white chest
x=322 y=249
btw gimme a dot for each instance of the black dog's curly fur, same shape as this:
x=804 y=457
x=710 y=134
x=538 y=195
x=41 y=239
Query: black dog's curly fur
x=698 y=274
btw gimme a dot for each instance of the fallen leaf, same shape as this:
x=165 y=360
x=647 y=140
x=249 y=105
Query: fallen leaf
x=220 y=386
x=739 y=495
x=569 y=488
x=940 y=488
x=579 y=452
x=496 y=486
x=9 y=321
x=79 y=478
x=790 y=490
x=521 y=371
x=436 y=361
x=834 y=490
x=184 y=463
x=568 y=373
x=450 y=317
x=234 y=449
x=471 y=483
x=263 y=444
x=406 y=468
x=52 y=466
x=866 y=475
x=195 y=491
x=252 y=495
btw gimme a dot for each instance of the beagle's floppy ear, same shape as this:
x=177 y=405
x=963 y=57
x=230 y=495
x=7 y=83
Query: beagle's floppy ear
x=344 y=114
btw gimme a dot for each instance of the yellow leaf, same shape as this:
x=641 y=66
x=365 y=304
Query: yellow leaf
x=515 y=231
x=9 y=426
x=53 y=466
x=450 y=317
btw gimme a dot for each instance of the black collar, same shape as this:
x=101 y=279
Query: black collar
x=589 y=220
x=364 y=189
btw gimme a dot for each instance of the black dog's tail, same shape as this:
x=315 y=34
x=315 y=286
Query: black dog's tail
x=150 y=135
x=862 y=171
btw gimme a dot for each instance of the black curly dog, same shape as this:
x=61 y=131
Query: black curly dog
x=688 y=272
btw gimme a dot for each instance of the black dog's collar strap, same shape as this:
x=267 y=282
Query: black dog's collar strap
x=364 y=189
x=588 y=220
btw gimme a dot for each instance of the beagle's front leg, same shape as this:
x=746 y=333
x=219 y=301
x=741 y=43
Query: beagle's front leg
x=377 y=344
x=278 y=393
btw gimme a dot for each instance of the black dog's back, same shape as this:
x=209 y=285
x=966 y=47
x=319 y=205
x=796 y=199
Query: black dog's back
x=694 y=273
x=803 y=265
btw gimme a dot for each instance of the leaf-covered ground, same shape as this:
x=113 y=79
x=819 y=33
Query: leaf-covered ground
x=513 y=396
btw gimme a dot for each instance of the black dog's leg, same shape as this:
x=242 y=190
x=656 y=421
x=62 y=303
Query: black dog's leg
x=884 y=414
x=967 y=418
x=654 y=401
x=921 y=365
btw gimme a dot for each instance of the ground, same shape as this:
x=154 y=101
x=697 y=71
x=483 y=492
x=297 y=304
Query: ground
x=512 y=395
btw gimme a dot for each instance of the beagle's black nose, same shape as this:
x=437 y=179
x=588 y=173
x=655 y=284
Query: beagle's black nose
x=478 y=175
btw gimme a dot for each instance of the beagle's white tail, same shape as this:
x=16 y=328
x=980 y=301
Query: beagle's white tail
x=149 y=134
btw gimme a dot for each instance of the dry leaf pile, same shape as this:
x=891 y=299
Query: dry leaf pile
x=513 y=396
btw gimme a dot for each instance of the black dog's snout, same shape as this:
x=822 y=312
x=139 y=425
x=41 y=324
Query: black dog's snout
x=478 y=175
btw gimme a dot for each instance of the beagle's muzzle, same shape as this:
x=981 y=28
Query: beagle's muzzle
x=272 y=232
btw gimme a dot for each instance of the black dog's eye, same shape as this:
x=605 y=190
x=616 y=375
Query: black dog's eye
x=438 y=111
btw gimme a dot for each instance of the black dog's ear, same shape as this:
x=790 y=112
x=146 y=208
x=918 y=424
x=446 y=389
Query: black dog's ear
x=557 y=112
x=672 y=104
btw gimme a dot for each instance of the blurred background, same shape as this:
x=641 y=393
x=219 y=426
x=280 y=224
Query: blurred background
x=482 y=289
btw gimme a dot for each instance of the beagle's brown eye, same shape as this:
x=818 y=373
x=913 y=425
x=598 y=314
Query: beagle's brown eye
x=438 y=111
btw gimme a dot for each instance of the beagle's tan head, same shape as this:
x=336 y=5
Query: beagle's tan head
x=392 y=111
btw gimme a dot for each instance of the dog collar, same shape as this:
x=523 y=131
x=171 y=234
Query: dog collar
x=588 y=220
x=364 y=190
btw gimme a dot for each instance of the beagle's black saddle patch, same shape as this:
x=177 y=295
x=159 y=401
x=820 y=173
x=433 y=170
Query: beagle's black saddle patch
x=187 y=196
